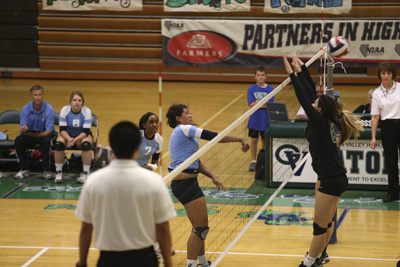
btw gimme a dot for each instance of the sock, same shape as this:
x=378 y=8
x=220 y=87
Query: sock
x=319 y=255
x=59 y=167
x=309 y=260
x=191 y=263
x=86 y=168
x=254 y=161
x=202 y=260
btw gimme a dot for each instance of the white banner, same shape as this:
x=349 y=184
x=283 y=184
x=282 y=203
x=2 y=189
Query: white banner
x=206 y=5
x=364 y=165
x=87 y=5
x=248 y=43
x=307 y=6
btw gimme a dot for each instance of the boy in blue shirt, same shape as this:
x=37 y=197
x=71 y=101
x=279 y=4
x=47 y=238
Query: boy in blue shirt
x=36 y=127
x=259 y=120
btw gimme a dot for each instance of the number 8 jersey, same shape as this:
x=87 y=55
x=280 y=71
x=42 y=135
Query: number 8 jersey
x=75 y=123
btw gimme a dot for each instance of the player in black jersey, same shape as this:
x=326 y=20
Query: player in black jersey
x=325 y=114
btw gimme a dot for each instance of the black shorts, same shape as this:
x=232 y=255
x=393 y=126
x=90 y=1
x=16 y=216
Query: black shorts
x=186 y=190
x=256 y=133
x=334 y=186
x=142 y=257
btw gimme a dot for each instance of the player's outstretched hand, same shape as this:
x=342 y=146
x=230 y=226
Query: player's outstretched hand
x=296 y=64
x=287 y=65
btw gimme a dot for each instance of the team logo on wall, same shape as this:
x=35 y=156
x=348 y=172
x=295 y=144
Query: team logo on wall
x=201 y=47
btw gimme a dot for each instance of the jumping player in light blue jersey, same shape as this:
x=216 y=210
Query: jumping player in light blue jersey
x=151 y=144
x=75 y=123
x=185 y=187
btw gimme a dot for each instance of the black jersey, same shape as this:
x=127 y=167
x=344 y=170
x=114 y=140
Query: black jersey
x=320 y=132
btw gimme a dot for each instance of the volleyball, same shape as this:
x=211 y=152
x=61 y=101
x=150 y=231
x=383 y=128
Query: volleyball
x=338 y=46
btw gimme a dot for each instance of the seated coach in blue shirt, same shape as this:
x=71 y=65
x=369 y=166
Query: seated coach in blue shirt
x=37 y=127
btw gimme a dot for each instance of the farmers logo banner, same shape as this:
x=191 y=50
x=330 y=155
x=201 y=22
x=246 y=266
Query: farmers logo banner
x=249 y=43
x=307 y=6
x=206 y=5
x=87 y=5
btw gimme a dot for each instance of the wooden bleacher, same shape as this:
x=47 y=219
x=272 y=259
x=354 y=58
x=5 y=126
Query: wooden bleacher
x=128 y=44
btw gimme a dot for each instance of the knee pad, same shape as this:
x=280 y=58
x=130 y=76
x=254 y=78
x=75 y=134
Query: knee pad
x=59 y=146
x=330 y=224
x=318 y=230
x=201 y=232
x=86 y=146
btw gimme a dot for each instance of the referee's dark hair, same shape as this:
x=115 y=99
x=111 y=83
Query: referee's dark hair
x=174 y=111
x=387 y=66
x=124 y=139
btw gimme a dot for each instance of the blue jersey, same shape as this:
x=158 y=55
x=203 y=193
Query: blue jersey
x=183 y=144
x=75 y=123
x=259 y=120
x=148 y=147
x=40 y=121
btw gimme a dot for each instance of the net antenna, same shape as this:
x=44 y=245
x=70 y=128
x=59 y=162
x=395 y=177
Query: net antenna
x=160 y=115
x=241 y=119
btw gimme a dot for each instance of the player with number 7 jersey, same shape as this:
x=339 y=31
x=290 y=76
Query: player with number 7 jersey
x=151 y=143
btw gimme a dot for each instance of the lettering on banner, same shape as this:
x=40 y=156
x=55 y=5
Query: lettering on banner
x=267 y=36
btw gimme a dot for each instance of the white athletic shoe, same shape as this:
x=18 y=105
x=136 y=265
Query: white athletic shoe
x=47 y=175
x=82 y=178
x=58 y=179
x=22 y=174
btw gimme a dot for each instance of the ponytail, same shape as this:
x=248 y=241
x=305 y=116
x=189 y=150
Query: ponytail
x=349 y=124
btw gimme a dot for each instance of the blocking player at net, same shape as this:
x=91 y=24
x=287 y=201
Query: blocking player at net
x=325 y=113
x=185 y=187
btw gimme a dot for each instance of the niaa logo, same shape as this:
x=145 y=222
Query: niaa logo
x=290 y=155
x=272 y=217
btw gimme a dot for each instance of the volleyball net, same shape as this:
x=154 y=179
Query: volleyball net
x=231 y=213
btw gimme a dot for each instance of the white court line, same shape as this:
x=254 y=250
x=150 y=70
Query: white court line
x=35 y=257
x=44 y=249
x=213 y=116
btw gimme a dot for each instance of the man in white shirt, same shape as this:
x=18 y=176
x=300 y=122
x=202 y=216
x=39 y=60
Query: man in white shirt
x=128 y=207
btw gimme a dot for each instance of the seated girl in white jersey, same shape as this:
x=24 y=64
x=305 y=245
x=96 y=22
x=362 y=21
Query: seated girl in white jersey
x=185 y=187
x=75 y=123
x=151 y=144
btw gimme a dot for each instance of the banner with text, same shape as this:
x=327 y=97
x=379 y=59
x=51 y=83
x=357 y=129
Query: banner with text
x=206 y=5
x=87 y=5
x=309 y=6
x=249 y=43
x=364 y=165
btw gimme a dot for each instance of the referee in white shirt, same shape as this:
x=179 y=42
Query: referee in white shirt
x=127 y=206
x=386 y=104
